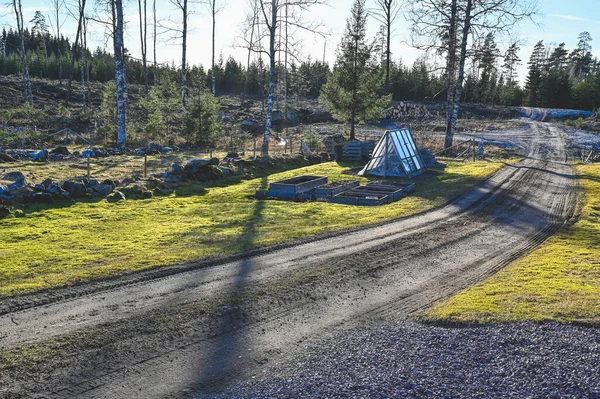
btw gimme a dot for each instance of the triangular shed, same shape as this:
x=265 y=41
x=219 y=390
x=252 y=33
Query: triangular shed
x=395 y=155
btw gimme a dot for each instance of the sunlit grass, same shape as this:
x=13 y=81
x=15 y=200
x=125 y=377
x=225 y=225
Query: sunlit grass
x=560 y=281
x=55 y=246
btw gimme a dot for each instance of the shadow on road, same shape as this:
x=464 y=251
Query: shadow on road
x=221 y=361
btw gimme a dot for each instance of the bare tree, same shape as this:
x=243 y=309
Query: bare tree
x=24 y=67
x=56 y=6
x=154 y=39
x=144 y=40
x=386 y=12
x=267 y=17
x=75 y=47
x=436 y=26
x=215 y=7
x=179 y=30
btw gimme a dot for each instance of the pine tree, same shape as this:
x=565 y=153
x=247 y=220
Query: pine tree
x=350 y=93
x=581 y=57
x=536 y=63
x=511 y=61
x=487 y=64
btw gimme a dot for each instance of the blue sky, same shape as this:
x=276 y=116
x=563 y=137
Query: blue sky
x=558 y=21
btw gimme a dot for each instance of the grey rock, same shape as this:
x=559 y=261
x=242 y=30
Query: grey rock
x=60 y=150
x=101 y=190
x=116 y=197
x=292 y=118
x=76 y=189
x=16 y=177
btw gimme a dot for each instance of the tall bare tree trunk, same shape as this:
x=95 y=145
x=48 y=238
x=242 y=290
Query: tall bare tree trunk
x=213 y=77
x=82 y=70
x=461 y=70
x=183 y=55
x=143 y=42
x=154 y=44
x=24 y=67
x=272 y=54
x=450 y=70
x=250 y=47
x=74 y=52
x=57 y=5
x=285 y=76
x=120 y=75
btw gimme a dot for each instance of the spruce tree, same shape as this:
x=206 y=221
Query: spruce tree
x=533 y=81
x=350 y=94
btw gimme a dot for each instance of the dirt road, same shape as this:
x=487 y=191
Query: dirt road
x=197 y=331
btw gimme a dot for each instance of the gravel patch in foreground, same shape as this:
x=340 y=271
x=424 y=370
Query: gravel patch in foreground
x=410 y=360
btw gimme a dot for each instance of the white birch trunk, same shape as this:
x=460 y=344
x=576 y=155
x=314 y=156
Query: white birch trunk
x=120 y=76
x=272 y=54
x=213 y=77
x=451 y=66
x=183 y=55
x=461 y=70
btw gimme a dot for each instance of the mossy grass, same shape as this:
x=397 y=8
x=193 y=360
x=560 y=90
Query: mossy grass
x=560 y=281
x=53 y=246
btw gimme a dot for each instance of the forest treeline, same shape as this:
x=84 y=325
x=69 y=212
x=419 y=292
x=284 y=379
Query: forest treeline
x=557 y=77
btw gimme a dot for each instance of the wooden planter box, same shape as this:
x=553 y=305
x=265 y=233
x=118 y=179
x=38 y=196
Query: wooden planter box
x=361 y=197
x=294 y=187
x=328 y=191
x=407 y=187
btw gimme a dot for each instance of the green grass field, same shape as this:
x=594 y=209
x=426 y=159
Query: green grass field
x=48 y=247
x=560 y=281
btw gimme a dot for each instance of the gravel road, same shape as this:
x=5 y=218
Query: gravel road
x=408 y=360
x=206 y=328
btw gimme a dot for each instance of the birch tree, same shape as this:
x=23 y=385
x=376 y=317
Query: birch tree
x=117 y=6
x=265 y=41
x=447 y=25
x=24 y=67
x=215 y=7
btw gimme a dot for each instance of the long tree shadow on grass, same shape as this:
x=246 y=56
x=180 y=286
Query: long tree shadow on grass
x=221 y=362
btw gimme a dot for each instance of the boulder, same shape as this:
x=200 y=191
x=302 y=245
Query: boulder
x=75 y=188
x=276 y=117
x=40 y=156
x=47 y=182
x=101 y=190
x=195 y=166
x=4 y=192
x=136 y=191
x=292 y=118
x=6 y=158
x=249 y=125
x=60 y=150
x=41 y=198
x=17 y=178
x=116 y=197
x=4 y=211
x=226 y=171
